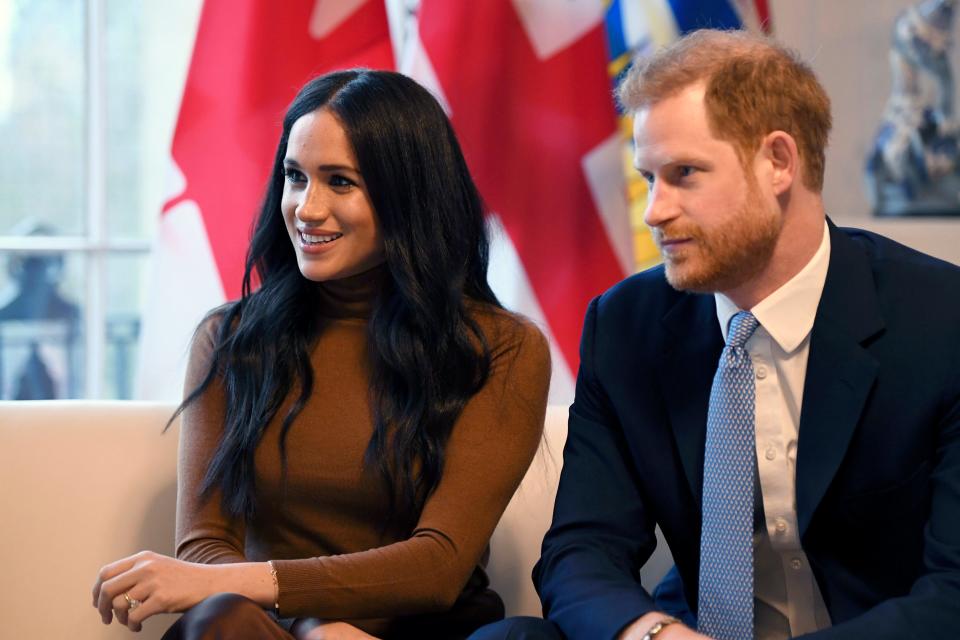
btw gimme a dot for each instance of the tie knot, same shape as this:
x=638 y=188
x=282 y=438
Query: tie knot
x=742 y=327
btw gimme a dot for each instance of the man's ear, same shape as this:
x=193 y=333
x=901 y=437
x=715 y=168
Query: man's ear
x=780 y=150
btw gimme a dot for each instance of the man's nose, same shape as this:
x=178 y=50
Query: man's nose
x=661 y=205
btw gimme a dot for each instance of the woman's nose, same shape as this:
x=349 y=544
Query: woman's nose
x=313 y=207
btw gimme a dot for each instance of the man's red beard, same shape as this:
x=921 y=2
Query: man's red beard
x=728 y=255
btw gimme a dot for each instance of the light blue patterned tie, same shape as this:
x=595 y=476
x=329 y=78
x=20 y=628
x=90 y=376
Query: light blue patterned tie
x=725 y=609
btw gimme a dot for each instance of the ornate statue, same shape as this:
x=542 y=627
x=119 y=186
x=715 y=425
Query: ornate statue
x=914 y=166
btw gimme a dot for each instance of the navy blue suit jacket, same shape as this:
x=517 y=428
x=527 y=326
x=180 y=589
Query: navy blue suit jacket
x=878 y=460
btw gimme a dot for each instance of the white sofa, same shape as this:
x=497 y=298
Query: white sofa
x=83 y=483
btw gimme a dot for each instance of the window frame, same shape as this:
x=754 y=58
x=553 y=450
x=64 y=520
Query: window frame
x=95 y=244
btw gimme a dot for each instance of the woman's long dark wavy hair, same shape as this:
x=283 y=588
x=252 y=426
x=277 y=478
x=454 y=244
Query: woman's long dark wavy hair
x=427 y=355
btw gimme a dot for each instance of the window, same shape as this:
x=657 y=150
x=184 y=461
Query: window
x=89 y=93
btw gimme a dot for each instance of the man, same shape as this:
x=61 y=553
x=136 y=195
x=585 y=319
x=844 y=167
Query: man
x=806 y=476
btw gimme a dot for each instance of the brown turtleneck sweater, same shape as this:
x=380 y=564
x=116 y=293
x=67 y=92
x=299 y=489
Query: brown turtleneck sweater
x=326 y=534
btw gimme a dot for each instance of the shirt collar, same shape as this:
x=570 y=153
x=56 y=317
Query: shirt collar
x=787 y=314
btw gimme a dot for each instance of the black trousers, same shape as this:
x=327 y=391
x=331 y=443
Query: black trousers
x=519 y=628
x=230 y=616
x=226 y=615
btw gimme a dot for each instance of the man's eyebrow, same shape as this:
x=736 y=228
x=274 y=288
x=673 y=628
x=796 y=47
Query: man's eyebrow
x=679 y=160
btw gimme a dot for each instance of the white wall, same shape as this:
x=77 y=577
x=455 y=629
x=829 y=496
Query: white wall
x=847 y=42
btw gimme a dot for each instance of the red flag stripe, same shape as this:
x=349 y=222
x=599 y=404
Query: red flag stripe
x=526 y=125
x=763 y=16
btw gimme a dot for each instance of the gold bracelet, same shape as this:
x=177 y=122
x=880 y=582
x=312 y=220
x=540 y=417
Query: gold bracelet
x=658 y=626
x=276 y=588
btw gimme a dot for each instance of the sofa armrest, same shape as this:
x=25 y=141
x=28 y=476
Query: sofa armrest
x=82 y=483
x=515 y=545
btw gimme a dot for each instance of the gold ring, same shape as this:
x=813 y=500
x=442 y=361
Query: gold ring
x=132 y=603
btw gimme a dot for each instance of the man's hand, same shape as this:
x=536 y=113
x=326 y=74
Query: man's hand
x=675 y=631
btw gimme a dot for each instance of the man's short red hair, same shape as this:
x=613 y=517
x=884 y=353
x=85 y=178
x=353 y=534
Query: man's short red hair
x=753 y=86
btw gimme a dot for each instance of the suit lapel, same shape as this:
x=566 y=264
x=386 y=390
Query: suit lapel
x=840 y=372
x=692 y=347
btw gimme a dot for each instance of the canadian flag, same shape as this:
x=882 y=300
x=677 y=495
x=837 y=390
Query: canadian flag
x=249 y=60
x=525 y=83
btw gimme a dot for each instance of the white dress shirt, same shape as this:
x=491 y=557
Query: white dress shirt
x=787 y=600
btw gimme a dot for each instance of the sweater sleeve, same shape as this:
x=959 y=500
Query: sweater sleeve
x=489 y=450
x=203 y=534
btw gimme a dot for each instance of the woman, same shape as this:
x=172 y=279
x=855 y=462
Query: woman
x=358 y=423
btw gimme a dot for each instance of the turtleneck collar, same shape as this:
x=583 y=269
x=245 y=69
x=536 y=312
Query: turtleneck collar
x=352 y=297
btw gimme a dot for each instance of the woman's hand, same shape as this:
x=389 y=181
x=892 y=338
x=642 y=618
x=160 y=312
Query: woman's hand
x=147 y=583
x=314 y=629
